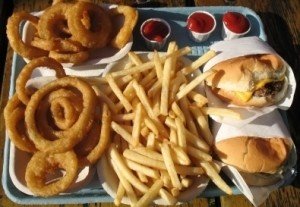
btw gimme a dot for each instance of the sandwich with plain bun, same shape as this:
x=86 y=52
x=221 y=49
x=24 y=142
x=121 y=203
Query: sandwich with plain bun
x=254 y=80
x=260 y=161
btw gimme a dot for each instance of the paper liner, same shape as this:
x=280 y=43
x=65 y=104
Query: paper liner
x=267 y=126
x=241 y=47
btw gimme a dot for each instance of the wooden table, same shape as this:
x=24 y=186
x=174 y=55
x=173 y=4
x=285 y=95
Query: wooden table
x=282 y=25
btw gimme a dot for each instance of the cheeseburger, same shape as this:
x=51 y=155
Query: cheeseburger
x=261 y=161
x=255 y=80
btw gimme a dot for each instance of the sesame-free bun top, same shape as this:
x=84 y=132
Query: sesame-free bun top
x=242 y=73
x=254 y=154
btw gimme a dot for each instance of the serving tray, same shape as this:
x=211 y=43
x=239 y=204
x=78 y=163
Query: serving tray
x=176 y=17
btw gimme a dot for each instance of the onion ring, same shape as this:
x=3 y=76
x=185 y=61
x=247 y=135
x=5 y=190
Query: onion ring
x=64 y=114
x=58 y=45
x=47 y=26
x=42 y=164
x=89 y=142
x=14 y=122
x=124 y=34
x=44 y=126
x=75 y=58
x=98 y=35
x=104 y=139
x=25 y=74
x=15 y=40
x=73 y=135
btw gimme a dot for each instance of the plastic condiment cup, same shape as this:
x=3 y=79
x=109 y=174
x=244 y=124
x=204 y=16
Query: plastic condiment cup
x=198 y=36
x=153 y=44
x=227 y=34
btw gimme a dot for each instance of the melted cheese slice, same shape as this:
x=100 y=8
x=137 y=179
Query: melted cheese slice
x=246 y=96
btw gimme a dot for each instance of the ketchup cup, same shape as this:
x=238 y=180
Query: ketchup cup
x=155 y=32
x=235 y=25
x=200 y=24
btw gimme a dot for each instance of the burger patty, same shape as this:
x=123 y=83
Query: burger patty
x=270 y=89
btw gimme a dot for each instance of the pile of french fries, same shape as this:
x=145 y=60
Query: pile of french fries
x=161 y=140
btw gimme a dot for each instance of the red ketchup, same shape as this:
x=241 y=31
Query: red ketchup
x=236 y=22
x=155 y=30
x=200 y=22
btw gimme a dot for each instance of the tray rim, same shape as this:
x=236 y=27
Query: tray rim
x=93 y=197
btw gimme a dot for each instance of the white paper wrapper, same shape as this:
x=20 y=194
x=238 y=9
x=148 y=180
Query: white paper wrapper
x=241 y=47
x=267 y=126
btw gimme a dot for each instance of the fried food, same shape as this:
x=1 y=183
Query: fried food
x=15 y=125
x=71 y=136
x=47 y=26
x=57 y=45
x=42 y=164
x=63 y=124
x=75 y=58
x=15 y=40
x=68 y=31
x=124 y=34
x=98 y=35
x=25 y=74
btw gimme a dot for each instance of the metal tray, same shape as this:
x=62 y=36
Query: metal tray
x=94 y=193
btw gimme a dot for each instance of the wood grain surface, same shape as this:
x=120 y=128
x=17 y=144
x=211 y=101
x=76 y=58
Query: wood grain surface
x=282 y=25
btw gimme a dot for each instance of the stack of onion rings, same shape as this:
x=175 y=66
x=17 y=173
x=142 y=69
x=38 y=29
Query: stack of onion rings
x=68 y=32
x=58 y=125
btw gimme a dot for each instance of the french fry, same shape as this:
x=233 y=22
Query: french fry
x=155 y=89
x=198 y=98
x=123 y=132
x=150 y=124
x=184 y=106
x=158 y=66
x=124 y=182
x=140 y=92
x=147 y=161
x=156 y=104
x=175 y=85
x=195 y=140
x=224 y=112
x=150 y=64
x=123 y=117
x=201 y=120
x=118 y=92
x=143 y=169
x=120 y=194
x=135 y=59
x=151 y=194
x=199 y=62
x=170 y=166
x=198 y=154
x=150 y=141
x=149 y=153
x=148 y=78
x=102 y=96
x=166 y=79
x=171 y=200
x=180 y=155
x=125 y=171
x=215 y=177
x=173 y=136
x=191 y=85
x=137 y=124
x=180 y=133
x=186 y=182
x=178 y=112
